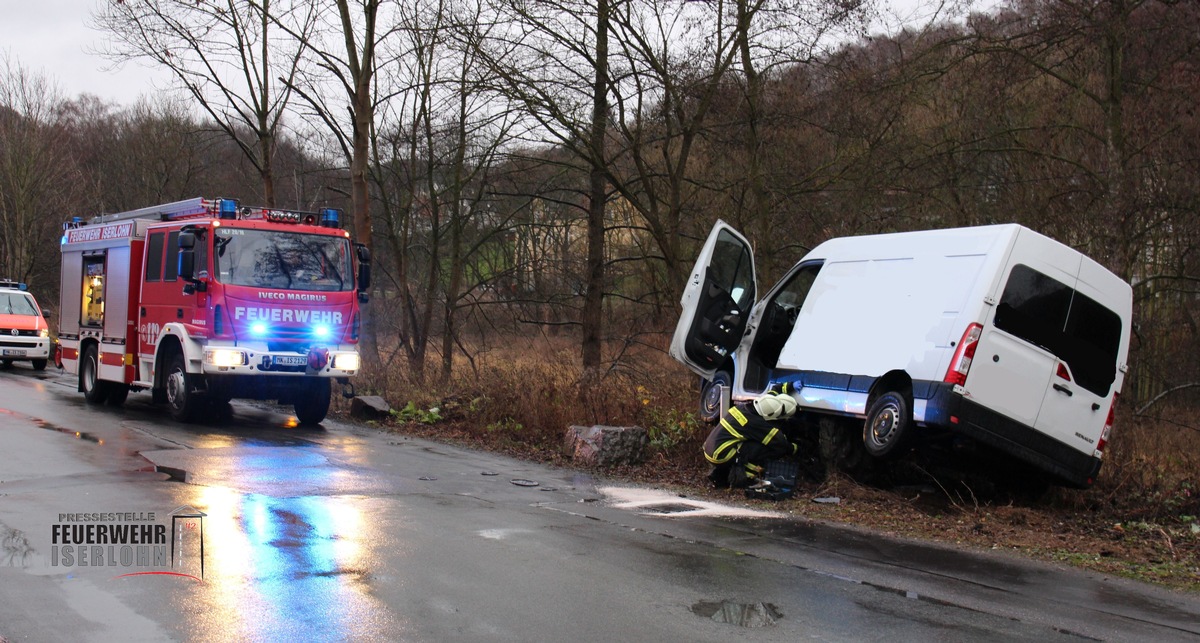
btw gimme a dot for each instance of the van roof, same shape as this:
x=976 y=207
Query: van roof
x=968 y=240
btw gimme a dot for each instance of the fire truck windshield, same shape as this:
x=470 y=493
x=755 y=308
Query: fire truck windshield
x=282 y=260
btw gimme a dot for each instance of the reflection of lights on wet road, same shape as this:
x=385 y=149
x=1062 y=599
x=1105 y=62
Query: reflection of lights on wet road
x=287 y=568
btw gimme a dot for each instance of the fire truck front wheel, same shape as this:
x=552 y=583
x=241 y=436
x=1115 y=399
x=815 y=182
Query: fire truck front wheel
x=94 y=390
x=181 y=396
x=312 y=407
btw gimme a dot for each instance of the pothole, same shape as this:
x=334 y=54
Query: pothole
x=740 y=614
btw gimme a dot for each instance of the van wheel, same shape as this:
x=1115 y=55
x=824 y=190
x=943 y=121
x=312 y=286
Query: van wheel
x=313 y=406
x=39 y=364
x=889 y=425
x=182 y=400
x=710 y=396
x=94 y=390
x=840 y=447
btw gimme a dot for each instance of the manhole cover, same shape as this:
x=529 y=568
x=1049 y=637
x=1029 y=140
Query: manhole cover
x=488 y=473
x=669 y=509
x=427 y=478
x=521 y=482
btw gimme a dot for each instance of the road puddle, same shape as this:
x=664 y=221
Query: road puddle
x=740 y=614
x=42 y=424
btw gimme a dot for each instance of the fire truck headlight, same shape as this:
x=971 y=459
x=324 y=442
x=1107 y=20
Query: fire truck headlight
x=224 y=357
x=346 y=361
x=258 y=328
x=321 y=331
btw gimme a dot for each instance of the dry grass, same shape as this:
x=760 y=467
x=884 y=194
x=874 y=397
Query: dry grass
x=1142 y=518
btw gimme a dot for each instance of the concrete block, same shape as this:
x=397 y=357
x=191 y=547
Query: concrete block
x=370 y=407
x=606 y=445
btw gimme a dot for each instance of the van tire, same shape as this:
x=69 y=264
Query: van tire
x=710 y=396
x=94 y=390
x=840 y=446
x=888 y=428
x=39 y=364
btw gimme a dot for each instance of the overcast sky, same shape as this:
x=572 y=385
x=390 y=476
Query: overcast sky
x=50 y=38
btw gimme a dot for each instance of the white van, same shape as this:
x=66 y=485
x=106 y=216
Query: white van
x=993 y=333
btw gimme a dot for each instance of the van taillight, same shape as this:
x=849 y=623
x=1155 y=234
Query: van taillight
x=957 y=373
x=1112 y=412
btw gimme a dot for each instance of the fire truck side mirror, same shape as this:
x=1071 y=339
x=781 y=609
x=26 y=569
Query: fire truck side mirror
x=187 y=256
x=364 y=269
x=187 y=263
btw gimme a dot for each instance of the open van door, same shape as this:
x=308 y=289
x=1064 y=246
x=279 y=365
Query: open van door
x=716 y=302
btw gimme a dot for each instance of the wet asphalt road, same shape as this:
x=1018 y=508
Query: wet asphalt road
x=343 y=533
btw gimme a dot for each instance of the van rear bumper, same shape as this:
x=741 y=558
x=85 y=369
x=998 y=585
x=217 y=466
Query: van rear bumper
x=950 y=410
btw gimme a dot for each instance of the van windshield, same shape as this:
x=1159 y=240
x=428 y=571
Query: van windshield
x=282 y=260
x=12 y=303
x=1076 y=328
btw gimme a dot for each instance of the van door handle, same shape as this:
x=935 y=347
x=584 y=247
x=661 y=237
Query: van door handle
x=1062 y=389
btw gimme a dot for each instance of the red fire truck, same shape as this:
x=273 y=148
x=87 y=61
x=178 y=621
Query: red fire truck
x=202 y=301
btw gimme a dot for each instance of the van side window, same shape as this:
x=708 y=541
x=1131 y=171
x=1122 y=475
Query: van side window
x=1077 y=329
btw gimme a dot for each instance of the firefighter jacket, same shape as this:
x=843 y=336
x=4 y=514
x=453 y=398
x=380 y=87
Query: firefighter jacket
x=743 y=431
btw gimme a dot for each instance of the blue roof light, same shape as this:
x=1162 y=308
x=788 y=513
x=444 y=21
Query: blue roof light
x=331 y=218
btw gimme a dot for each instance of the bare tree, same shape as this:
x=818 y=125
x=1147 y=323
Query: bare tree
x=39 y=179
x=225 y=55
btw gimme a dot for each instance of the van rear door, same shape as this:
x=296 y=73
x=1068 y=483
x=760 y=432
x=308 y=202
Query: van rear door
x=1091 y=351
x=716 y=302
x=1014 y=361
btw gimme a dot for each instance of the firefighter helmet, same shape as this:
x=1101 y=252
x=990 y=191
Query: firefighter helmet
x=773 y=407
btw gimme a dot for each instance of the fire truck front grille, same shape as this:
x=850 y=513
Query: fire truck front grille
x=289 y=346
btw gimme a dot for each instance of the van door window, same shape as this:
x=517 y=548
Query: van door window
x=732 y=271
x=1074 y=327
x=1092 y=340
x=780 y=315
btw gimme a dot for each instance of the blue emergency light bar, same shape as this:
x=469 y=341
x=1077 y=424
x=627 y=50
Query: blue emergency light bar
x=228 y=209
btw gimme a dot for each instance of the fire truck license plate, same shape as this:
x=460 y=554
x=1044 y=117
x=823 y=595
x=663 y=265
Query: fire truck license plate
x=288 y=360
x=12 y=352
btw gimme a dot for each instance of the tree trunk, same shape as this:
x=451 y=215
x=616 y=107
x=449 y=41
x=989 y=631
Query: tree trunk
x=593 y=298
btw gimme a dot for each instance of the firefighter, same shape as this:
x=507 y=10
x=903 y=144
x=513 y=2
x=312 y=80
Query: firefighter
x=747 y=438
